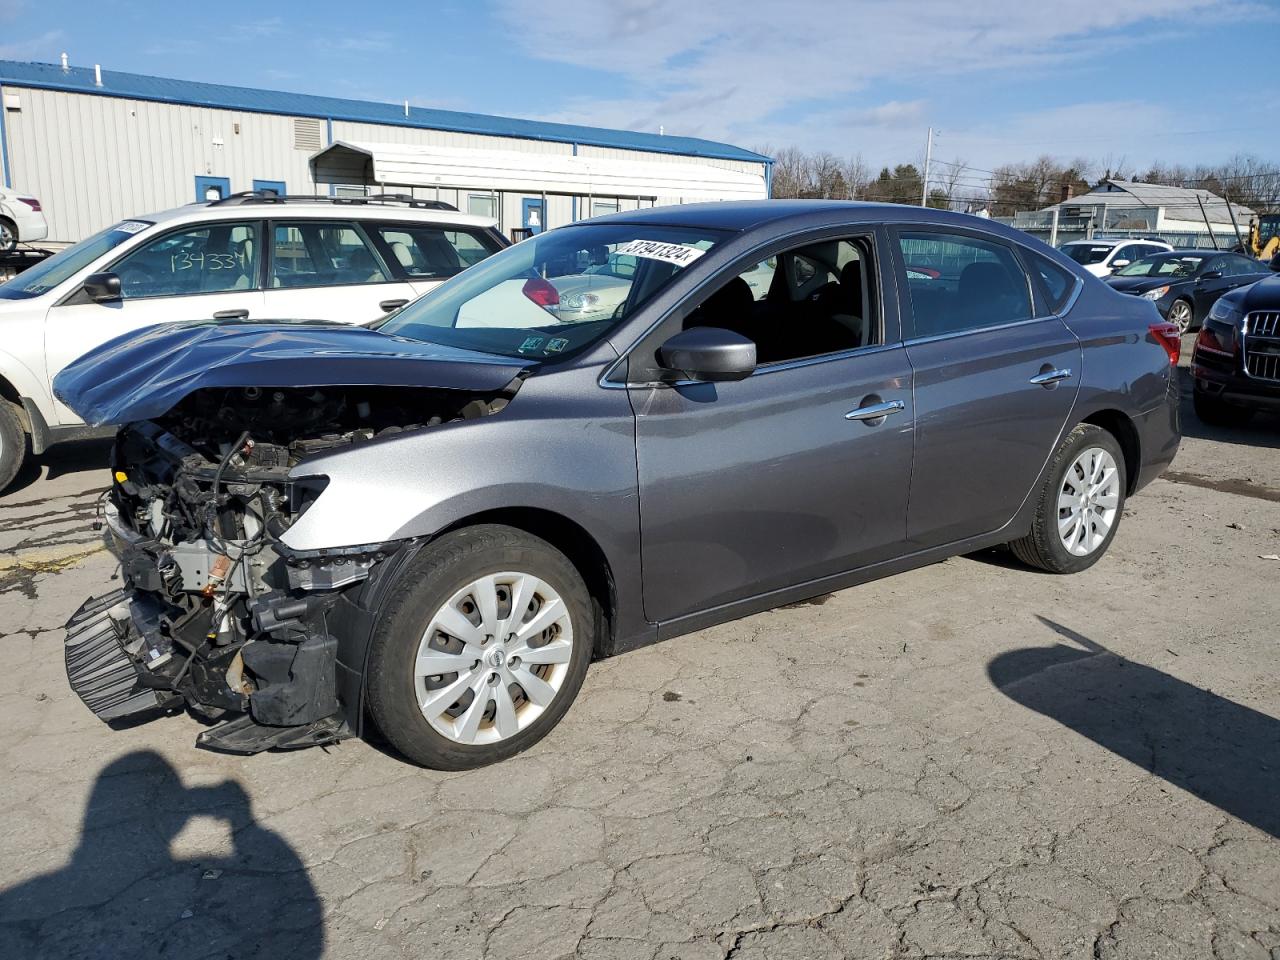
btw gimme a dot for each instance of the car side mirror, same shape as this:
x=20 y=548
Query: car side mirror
x=1117 y=264
x=102 y=286
x=709 y=354
x=1211 y=275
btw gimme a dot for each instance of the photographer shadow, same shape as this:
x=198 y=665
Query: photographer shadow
x=1221 y=751
x=125 y=893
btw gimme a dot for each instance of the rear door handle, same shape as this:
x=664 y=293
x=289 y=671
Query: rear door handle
x=1047 y=378
x=386 y=306
x=876 y=411
x=231 y=315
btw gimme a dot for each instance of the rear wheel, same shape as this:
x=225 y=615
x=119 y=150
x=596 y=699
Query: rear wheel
x=8 y=235
x=481 y=648
x=1080 y=504
x=15 y=445
x=1218 y=413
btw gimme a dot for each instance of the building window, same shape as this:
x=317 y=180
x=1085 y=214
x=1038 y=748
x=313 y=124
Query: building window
x=600 y=207
x=483 y=205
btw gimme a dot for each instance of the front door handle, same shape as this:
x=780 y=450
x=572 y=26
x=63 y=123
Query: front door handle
x=231 y=315
x=1049 y=378
x=386 y=306
x=876 y=411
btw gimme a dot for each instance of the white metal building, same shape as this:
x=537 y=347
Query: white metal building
x=97 y=146
x=1157 y=207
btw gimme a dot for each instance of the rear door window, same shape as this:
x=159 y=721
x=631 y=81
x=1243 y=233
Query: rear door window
x=430 y=252
x=322 y=254
x=1238 y=266
x=1058 y=282
x=958 y=282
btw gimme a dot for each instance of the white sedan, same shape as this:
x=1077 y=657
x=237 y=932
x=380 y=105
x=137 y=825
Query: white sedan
x=21 y=219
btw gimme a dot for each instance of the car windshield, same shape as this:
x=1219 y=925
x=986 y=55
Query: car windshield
x=47 y=274
x=1166 y=266
x=1087 y=253
x=554 y=294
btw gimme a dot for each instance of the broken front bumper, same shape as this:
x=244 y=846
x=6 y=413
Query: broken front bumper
x=105 y=653
x=294 y=676
x=103 y=675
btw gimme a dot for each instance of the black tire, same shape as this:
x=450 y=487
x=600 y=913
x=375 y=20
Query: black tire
x=1218 y=413
x=15 y=445
x=440 y=570
x=1043 y=547
x=8 y=235
x=1188 y=323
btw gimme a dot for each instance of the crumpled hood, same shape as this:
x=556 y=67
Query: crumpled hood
x=142 y=374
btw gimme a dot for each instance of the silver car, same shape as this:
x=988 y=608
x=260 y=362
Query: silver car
x=437 y=523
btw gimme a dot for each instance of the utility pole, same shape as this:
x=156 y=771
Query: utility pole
x=928 y=157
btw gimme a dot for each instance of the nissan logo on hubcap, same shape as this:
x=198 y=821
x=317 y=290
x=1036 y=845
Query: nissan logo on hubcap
x=497 y=658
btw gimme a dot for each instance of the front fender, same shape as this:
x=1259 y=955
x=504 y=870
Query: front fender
x=564 y=445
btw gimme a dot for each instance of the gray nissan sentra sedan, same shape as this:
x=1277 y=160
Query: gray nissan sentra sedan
x=434 y=524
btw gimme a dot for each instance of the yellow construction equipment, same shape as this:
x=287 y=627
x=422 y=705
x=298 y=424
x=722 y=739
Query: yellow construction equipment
x=1264 y=236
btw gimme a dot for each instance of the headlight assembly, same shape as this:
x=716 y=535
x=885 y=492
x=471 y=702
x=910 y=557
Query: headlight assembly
x=1225 y=311
x=1156 y=294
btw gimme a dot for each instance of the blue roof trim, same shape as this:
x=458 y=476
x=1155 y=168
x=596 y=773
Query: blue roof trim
x=134 y=86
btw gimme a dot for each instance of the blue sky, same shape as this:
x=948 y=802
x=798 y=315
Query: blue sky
x=1003 y=80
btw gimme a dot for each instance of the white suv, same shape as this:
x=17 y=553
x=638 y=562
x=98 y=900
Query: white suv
x=21 y=219
x=250 y=256
x=1101 y=256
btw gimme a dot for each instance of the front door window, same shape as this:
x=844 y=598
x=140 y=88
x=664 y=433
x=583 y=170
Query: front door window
x=214 y=258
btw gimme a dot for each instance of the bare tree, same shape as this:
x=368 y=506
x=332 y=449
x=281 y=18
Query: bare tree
x=856 y=176
x=1012 y=187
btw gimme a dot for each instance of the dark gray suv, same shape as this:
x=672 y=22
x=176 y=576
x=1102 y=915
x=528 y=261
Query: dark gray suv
x=612 y=433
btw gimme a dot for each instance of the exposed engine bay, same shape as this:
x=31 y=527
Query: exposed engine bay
x=216 y=612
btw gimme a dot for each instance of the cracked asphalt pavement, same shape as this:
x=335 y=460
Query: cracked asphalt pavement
x=970 y=760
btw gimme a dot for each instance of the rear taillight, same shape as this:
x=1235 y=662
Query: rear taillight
x=1210 y=342
x=1167 y=336
x=541 y=292
x=31 y=202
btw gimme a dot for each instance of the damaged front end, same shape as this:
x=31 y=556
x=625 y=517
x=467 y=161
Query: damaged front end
x=216 y=612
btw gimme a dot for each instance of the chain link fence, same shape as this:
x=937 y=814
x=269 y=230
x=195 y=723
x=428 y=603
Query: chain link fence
x=1121 y=222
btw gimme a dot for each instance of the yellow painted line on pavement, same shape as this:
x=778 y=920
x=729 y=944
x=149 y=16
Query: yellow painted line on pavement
x=48 y=559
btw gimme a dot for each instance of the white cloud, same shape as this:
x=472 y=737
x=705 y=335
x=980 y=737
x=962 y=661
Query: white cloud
x=43 y=47
x=749 y=70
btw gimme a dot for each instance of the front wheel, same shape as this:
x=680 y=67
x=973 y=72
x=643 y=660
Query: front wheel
x=1181 y=315
x=15 y=445
x=481 y=648
x=8 y=236
x=1079 y=506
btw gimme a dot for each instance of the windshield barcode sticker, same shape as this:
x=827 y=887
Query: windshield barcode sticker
x=676 y=253
x=132 y=226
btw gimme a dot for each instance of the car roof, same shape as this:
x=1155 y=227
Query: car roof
x=1175 y=254
x=317 y=210
x=741 y=215
x=1114 y=241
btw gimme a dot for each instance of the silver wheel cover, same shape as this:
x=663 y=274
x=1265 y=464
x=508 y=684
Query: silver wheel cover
x=1088 y=500
x=1180 y=314
x=493 y=658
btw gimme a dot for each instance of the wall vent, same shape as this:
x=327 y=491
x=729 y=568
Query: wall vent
x=307 y=134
